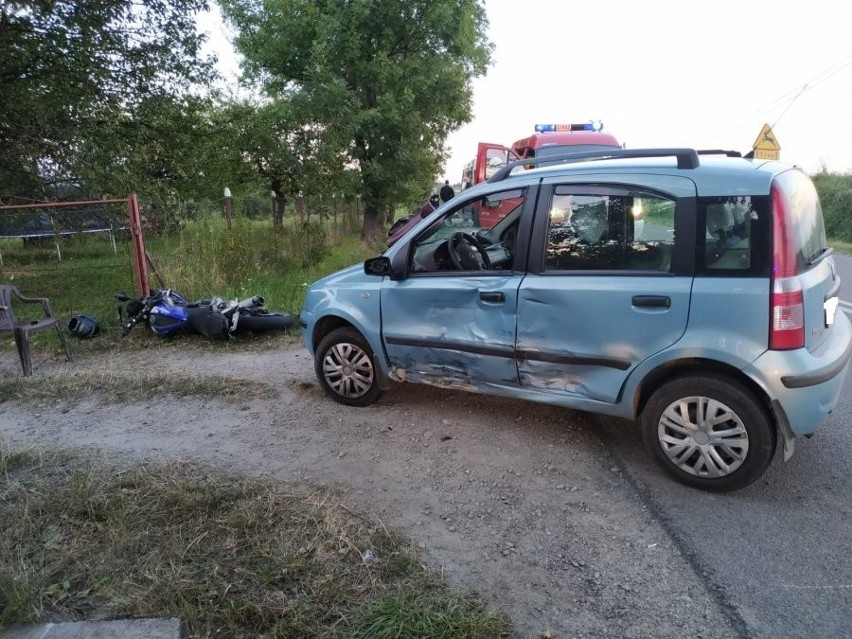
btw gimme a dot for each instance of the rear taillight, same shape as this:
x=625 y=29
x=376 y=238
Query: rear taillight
x=787 y=304
x=788 y=315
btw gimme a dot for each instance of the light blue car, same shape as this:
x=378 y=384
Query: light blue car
x=694 y=293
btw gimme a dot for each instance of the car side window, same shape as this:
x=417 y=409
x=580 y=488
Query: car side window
x=476 y=235
x=603 y=231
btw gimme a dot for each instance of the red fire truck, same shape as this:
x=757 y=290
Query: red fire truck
x=548 y=139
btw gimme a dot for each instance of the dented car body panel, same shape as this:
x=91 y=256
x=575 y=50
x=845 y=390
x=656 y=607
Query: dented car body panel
x=452 y=328
x=565 y=340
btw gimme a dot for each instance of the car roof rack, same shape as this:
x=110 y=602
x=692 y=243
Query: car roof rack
x=730 y=154
x=686 y=158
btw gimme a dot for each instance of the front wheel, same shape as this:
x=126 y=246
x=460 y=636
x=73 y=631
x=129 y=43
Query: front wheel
x=346 y=369
x=708 y=432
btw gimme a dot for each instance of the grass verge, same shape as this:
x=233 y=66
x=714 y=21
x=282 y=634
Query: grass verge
x=132 y=386
x=231 y=557
x=841 y=247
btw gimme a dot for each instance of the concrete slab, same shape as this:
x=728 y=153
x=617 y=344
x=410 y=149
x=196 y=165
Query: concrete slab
x=121 y=629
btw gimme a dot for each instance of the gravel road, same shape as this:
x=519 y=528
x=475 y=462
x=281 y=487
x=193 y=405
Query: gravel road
x=524 y=504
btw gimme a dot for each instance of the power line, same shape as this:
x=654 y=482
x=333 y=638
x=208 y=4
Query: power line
x=791 y=103
x=828 y=73
x=796 y=93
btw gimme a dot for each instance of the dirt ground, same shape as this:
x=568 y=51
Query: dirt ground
x=523 y=504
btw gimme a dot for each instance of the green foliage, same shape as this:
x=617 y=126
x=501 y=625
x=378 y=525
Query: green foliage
x=312 y=238
x=283 y=147
x=71 y=72
x=166 y=150
x=388 y=79
x=407 y=614
x=835 y=194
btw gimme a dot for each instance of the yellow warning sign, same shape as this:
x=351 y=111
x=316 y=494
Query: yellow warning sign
x=766 y=146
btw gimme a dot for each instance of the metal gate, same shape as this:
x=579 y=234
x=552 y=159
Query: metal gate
x=46 y=237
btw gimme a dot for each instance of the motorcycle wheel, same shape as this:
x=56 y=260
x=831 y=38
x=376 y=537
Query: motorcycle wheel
x=261 y=322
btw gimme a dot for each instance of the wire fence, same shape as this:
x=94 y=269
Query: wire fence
x=57 y=227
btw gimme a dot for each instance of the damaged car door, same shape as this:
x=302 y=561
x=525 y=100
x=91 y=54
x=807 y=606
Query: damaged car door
x=606 y=289
x=450 y=319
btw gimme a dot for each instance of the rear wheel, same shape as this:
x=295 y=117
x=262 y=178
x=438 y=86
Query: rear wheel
x=708 y=432
x=345 y=368
x=260 y=322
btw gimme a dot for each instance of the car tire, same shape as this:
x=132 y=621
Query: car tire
x=723 y=456
x=346 y=369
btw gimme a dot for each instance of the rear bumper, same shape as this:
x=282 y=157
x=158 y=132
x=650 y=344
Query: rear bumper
x=825 y=374
x=805 y=385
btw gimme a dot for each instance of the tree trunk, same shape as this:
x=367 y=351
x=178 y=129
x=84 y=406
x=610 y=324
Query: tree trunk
x=300 y=208
x=370 y=230
x=278 y=206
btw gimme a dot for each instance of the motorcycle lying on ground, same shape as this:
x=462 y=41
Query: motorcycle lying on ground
x=167 y=312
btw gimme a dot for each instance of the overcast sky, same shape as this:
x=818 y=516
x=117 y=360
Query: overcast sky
x=699 y=73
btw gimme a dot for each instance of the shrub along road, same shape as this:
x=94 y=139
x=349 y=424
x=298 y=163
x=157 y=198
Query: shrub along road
x=555 y=517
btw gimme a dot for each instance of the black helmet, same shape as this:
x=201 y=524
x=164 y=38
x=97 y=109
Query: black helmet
x=83 y=326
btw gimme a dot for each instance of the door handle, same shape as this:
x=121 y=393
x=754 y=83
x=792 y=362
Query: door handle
x=492 y=296
x=652 y=301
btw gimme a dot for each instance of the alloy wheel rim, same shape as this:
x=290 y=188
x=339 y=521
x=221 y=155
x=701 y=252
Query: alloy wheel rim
x=348 y=370
x=703 y=437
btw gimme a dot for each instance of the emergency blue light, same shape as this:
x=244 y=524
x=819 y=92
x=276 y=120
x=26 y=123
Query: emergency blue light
x=585 y=126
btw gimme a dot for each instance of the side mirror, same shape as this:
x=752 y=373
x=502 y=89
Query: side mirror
x=377 y=266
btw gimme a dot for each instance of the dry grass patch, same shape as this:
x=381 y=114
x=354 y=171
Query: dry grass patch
x=127 y=386
x=231 y=557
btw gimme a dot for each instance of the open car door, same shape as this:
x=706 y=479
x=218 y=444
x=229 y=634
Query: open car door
x=489 y=159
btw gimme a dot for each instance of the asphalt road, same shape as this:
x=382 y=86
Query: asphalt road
x=844 y=270
x=777 y=555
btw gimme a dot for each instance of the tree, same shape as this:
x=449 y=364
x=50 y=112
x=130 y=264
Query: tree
x=283 y=147
x=70 y=69
x=393 y=77
x=163 y=148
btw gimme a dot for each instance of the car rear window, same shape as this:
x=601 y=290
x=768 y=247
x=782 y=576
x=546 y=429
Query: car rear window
x=735 y=235
x=804 y=217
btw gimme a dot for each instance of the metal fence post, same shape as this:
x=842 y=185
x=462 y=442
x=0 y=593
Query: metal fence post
x=140 y=266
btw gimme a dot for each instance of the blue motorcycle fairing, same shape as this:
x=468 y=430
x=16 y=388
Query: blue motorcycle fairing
x=168 y=318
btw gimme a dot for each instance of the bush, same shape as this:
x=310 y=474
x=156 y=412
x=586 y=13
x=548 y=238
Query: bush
x=835 y=194
x=312 y=239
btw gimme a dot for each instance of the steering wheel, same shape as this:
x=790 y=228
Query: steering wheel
x=467 y=253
